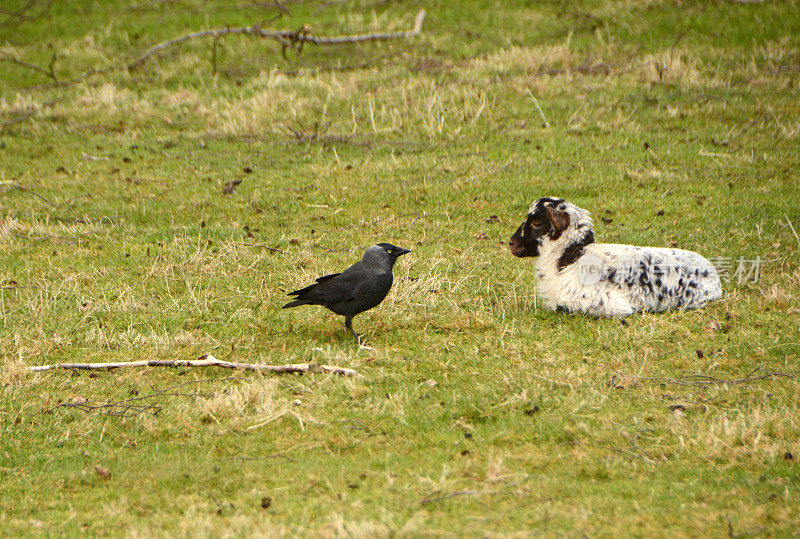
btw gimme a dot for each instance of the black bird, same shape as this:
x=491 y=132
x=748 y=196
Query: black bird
x=359 y=288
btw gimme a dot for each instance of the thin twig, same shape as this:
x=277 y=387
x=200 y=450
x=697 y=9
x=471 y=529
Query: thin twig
x=265 y=457
x=160 y=393
x=541 y=112
x=726 y=141
x=34 y=193
x=110 y=408
x=267 y=247
x=692 y=379
x=49 y=72
x=214 y=55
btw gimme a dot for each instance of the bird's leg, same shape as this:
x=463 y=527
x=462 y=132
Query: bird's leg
x=348 y=323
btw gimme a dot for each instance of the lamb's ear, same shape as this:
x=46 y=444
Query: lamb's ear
x=558 y=219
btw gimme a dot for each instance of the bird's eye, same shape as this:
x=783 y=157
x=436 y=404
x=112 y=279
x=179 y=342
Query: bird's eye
x=389 y=251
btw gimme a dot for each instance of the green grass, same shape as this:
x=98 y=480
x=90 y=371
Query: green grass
x=117 y=244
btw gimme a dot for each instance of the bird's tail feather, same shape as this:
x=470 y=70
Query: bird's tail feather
x=302 y=290
x=295 y=303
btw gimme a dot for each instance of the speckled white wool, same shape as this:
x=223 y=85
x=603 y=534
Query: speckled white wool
x=601 y=279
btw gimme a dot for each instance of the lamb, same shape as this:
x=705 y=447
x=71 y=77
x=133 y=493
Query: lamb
x=607 y=280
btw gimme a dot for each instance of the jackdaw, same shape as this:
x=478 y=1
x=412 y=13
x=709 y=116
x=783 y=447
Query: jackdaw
x=359 y=288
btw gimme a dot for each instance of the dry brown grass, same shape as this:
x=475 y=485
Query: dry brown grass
x=14 y=372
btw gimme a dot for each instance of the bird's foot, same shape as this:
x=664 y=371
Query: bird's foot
x=362 y=342
x=359 y=338
x=353 y=333
x=348 y=324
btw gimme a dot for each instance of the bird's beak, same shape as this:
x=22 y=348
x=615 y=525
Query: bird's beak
x=400 y=251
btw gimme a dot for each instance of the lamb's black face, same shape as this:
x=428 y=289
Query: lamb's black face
x=528 y=237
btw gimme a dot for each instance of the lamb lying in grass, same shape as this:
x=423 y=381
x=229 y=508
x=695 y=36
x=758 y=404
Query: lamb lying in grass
x=601 y=279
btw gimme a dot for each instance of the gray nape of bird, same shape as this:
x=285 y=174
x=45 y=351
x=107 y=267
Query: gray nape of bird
x=359 y=288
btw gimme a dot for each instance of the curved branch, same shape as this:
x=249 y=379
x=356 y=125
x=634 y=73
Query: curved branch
x=287 y=38
x=294 y=38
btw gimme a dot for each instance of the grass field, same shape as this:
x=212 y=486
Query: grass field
x=478 y=412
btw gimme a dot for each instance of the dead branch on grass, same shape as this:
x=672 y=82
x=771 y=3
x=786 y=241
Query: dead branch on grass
x=204 y=361
x=13 y=185
x=288 y=39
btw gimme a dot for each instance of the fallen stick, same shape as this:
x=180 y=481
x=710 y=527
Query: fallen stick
x=205 y=361
x=288 y=38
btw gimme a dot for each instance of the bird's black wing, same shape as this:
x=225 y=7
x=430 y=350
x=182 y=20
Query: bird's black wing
x=309 y=287
x=338 y=288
